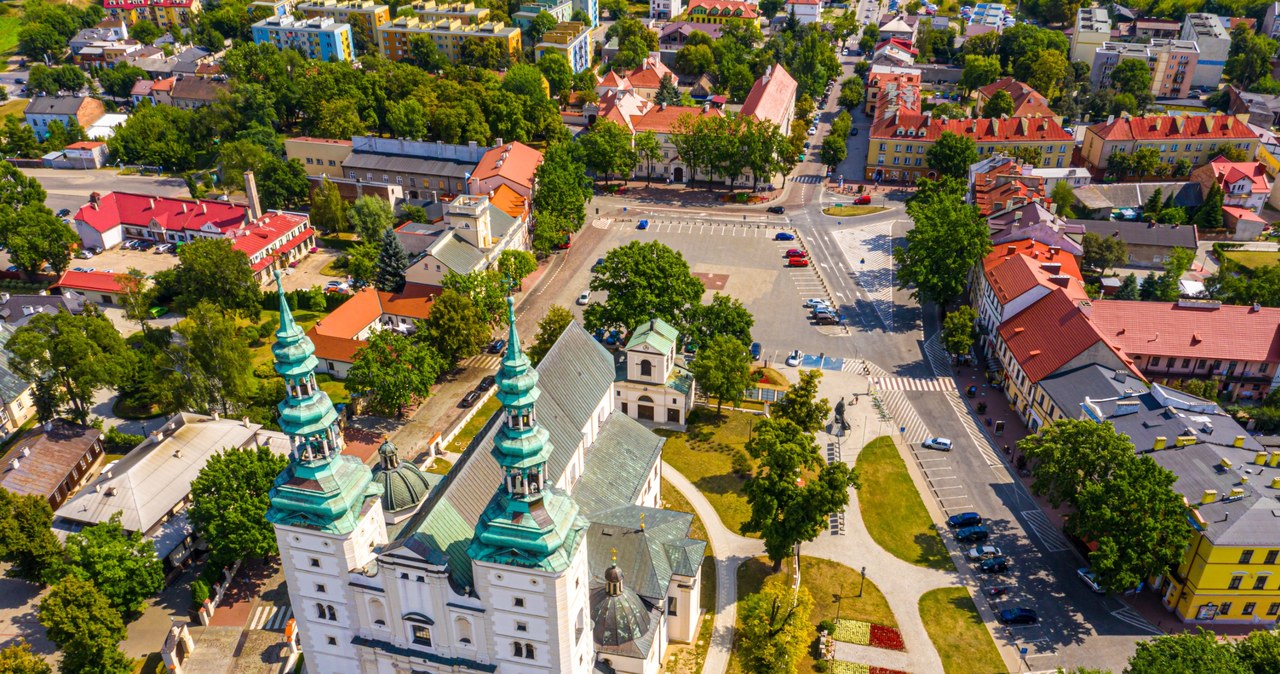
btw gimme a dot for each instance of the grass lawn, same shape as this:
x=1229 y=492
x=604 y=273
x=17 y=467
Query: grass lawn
x=851 y=211
x=13 y=106
x=337 y=390
x=704 y=455
x=1253 y=259
x=672 y=499
x=473 y=427
x=834 y=588
x=331 y=270
x=892 y=510
x=9 y=26
x=262 y=353
x=688 y=659
x=440 y=466
x=957 y=632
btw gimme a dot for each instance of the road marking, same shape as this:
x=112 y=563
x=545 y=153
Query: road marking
x=1134 y=618
x=1038 y=523
x=912 y=384
x=270 y=617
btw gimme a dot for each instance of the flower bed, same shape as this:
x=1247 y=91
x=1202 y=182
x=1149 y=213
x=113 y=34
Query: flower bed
x=885 y=670
x=853 y=632
x=886 y=637
x=841 y=667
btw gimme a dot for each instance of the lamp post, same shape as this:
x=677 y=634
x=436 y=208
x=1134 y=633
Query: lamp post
x=862 y=580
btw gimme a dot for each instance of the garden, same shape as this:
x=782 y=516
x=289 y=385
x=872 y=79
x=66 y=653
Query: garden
x=711 y=454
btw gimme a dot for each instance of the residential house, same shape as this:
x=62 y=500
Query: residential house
x=673 y=35
x=1075 y=176
x=1174 y=136
x=570 y=39
x=340 y=335
x=150 y=488
x=513 y=164
x=18 y=310
x=449 y=35
x=720 y=11
x=1027 y=102
x=1242 y=223
x=1148 y=244
x=1172 y=64
x=805 y=11
x=1244 y=184
x=319 y=156
x=773 y=98
x=44 y=110
x=99 y=287
x=652 y=386
x=895 y=52
x=104 y=53
x=901 y=84
x=191 y=92
x=17 y=404
x=666 y=10
x=163 y=13
x=1015 y=276
x=1093 y=27
x=898 y=27
x=425 y=170
x=1102 y=201
x=1261 y=109
x=999 y=183
x=320 y=38
x=52 y=461
x=1214 y=42
x=476 y=233
x=646 y=78
x=1155 y=29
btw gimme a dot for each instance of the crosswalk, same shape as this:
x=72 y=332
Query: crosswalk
x=811 y=179
x=1049 y=536
x=1134 y=618
x=971 y=428
x=911 y=384
x=939 y=359
x=270 y=617
x=484 y=361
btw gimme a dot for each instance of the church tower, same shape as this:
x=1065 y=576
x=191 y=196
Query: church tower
x=325 y=507
x=529 y=552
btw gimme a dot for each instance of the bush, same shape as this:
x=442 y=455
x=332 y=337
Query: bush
x=264 y=371
x=741 y=463
x=117 y=442
x=828 y=626
x=199 y=592
x=268 y=328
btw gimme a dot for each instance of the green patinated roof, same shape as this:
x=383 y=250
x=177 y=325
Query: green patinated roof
x=403 y=487
x=681 y=380
x=657 y=333
x=536 y=534
x=327 y=495
x=644 y=555
x=615 y=471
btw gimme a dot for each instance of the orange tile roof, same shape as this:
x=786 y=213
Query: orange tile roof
x=771 y=96
x=409 y=306
x=1160 y=127
x=353 y=316
x=99 y=281
x=1050 y=333
x=928 y=128
x=1224 y=332
x=661 y=120
x=735 y=8
x=1013 y=275
x=1026 y=101
x=649 y=75
x=334 y=335
x=509 y=201
x=338 y=349
x=327 y=141
x=1242 y=213
x=514 y=161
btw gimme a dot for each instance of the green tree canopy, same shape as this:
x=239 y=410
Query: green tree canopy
x=27 y=543
x=775 y=627
x=958 y=330
x=212 y=270
x=123 y=565
x=208 y=364
x=948 y=239
x=724 y=315
x=328 y=209
x=516 y=265
x=81 y=621
x=77 y=355
x=18 y=659
x=1102 y=253
x=952 y=155
x=1185 y=654
x=979 y=71
x=644 y=280
x=723 y=370
x=801 y=404
x=371 y=217
x=393 y=261
x=456 y=328
x=562 y=186
x=392 y=370
x=608 y=149
x=229 y=502
x=1071 y=453
x=552 y=325
x=1000 y=103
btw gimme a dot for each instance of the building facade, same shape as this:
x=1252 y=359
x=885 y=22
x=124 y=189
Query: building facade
x=320 y=38
x=319 y=156
x=163 y=13
x=1093 y=28
x=1214 y=42
x=720 y=11
x=1174 y=136
x=449 y=35
x=899 y=144
x=570 y=39
x=1172 y=64
x=655 y=388
x=42 y=111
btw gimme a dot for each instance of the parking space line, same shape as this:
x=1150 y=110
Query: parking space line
x=958 y=486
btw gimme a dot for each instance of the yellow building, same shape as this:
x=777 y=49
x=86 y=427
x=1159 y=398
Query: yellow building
x=1175 y=137
x=466 y=12
x=900 y=142
x=364 y=16
x=320 y=156
x=720 y=11
x=163 y=13
x=448 y=35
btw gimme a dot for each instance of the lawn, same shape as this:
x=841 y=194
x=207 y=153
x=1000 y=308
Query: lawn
x=834 y=588
x=440 y=466
x=473 y=427
x=9 y=26
x=13 y=106
x=1253 y=259
x=892 y=510
x=704 y=455
x=851 y=211
x=958 y=633
x=337 y=390
x=689 y=659
x=771 y=376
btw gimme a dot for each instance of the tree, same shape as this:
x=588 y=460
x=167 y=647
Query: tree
x=1152 y=206
x=212 y=270
x=485 y=288
x=1185 y=653
x=668 y=93
x=392 y=370
x=392 y=263
x=84 y=626
x=362 y=262
x=1209 y=215
x=1064 y=197
x=456 y=328
x=486 y=54
x=1050 y=72
x=788 y=508
x=952 y=155
x=424 y=53
x=36 y=237
x=833 y=150
x=1069 y=454
x=78 y=355
x=608 y=149
x=1102 y=253
x=119 y=81
x=27 y=543
x=1249 y=57
x=1230 y=153
x=18 y=659
x=643 y=280
x=124 y=565
x=695 y=60
x=801 y=404
x=229 y=502
x=209 y=362
x=540 y=24
x=723 y=369
x=144 y=32
x=556 y=69
x=328 y=210
x=39 y=42
x=552 y=325
x=1182 y=167
x=724 y=315
x=340 y=119
x=1132 y=77
x=775 y=627
x=516 y=265
x=978 y=72
x=1260 y=652
x=948 y=239
x=1128 y=288
x=1000 y=103
x=958 y=330
x=851 y=93
x=371 y=217
x=157 y=135
x=648 y=150
x=562 y=187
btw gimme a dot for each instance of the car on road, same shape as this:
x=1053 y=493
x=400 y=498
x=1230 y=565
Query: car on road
x=813 y=130
x=19 y=80
x=862 y=200
x=973 y=534
x=796 y=252
x=469 y=399
x=1086 y=574
x=784 y=236
x=995 y=565
x=942 y=444
x=486 y=383
x=1018 y=616
x=12 y=267
x=599 y=263
x=853 y=132
x=776 y=210
x=793 y=358
x=78 y=269
x=797 y=262
x=756 y=350
x=63 y=213
x=585 y=298
x=644 y=224
x=983 y=552
x=969 y=519
x=85 y=254
x=497 y=345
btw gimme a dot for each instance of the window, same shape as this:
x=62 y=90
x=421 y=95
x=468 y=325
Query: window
x=1225 y=608
x=1260 y=583
x=1274 y=608
x=1246 y=556
x=422 y=635
x=320 y=588
x=1235 y=583
x=646 y=368
x=1271 y=557
x=528 y=651
x=671 y=606
x=518 y=602
x=1155 y=361
x=332 y=641
x=1248 y=608
x=516 y=649
x=522 y=626
x=1186 y=363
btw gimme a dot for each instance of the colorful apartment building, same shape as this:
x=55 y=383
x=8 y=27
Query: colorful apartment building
x=1175 y=137
x=465 y=12
x=720 y=11
x=1172 y=64
x=900 y=141
x=364 y=16
x=320 y=38
x=163 y=13
x=449 y=35
x=570 y=39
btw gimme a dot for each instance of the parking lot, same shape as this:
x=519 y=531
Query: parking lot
x=119 y=261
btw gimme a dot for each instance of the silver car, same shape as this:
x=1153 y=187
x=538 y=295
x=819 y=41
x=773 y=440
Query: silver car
x=983 y=552
x=793 y=358
x=942 y=444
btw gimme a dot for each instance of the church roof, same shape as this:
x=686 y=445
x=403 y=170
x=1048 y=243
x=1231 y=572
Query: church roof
x=650 y=549
x=622 y=623
x=657 y=333
x=403 y=485
x=615 y=470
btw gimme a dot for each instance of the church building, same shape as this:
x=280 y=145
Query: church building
x=544 y=550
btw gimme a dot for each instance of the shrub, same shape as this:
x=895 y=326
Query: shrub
x=828 y=626
x=118 y=442
x=741 y=462
x=268 y=328
x=264 y=371
x=199 y=592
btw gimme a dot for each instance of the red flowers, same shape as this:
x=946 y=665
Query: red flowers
x=885 y=670
x=886 y=637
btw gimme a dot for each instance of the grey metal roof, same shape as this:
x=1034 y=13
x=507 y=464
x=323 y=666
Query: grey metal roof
x=55 y=105
x=1141 y=233
x=12 y=386
x=642 y=553
x=616 y=469
x=18 y=310
x=1069 y=388
x=1134 y=195
x=369 y=161
x=457 y=253
x=1247 y=520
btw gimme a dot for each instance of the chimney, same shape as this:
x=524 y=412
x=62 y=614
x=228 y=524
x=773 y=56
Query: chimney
x=1010 y=249
x=184 y=207
x=1260 y=458
x=14 y=464
x=152 y=204
x=1121 y=375
x=26 y=451
x=1052 y=267
x=251 y=191
x=1060 y=280
x=1209 y=496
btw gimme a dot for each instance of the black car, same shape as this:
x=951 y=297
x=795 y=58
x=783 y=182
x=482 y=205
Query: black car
x=976 y=534
x=1018 y=616
x=485 y=384
x=63 y=213
x=995 y=565
x=497 y=345
x=469 y=399
x=826 y=319
x=779 y=210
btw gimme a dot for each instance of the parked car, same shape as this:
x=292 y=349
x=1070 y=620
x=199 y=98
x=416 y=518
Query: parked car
x=973 y=534
x=777 y=210
x=863 y=200
x=815 y=302
x=793 y=358
x=78 y=269
x=497 y=345
x=585 y=298
x=644 y=224
x=797 y=262
x=486 y=383
x=826 y=319
x=983 y=552
x=756 y=350
x=969 y=519
x=85 y=254
x=469 y=399
x=598 y=264
x=943 y=444
x=995 y=565
x=1018 y=616
x=1086 y=574
x=796 y=252
x=784 y=236
x=63 y=213
x=157 y=312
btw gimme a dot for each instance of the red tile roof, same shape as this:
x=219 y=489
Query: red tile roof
x=928 y=128
x=803 y=2
x=85 y=145
x=772 y=96
x=352 y=317
x=900 y=43
x=734 y=8
x=123 y=208
x=514 y=161
x=328 y=141
x=662 y=120
x=1031 y=264
x=510 y=201
x=1160 y=127
x=408 y=305
x=1050 y=333
x=267 y=230
x=340 y=349
x=650 y=73
x=1227 y=172
x=1242 y=213
x=1224 y=332
x=334 y=335
x=98 y=281
x=1026 y=101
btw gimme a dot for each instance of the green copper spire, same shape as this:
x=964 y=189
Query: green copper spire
x=320 y=488
x=528 y=523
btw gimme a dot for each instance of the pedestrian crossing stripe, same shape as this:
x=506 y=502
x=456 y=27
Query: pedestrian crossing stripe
x=1134 y=618
x=270 y=617
x=911 y=384
x=1038 y=524
x=484 y=362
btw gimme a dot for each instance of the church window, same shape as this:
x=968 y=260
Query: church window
x=522 y=626
x=421 y=579
x=528 y=651
x=519 y=602
x=315 y=562
x=646 y=368
x=320 y=611
x=320 y=588
x=331 y=614
x=333 y=641
x=377 y=613
x=516 y=649
x=463 y=627
x=422 y=635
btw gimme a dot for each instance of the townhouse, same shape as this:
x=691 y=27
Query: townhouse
x=1015 y=276
x=720 y=11
x=900 y=142
x=1174 y=136
x=999 y=183
x=1244 y=184
x=339 y=336
x=163 y=13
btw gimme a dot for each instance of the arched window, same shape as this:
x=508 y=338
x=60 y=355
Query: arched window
x=332 y=615
x=320 y=611
x=646 y=399
x=377 y=612
x=516 y=649
x=463 y=628
x=528 y=651
x=646 y=368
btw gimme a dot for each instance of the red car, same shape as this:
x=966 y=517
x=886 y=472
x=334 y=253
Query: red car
x=796 y=252
x=863 y=200
x=797 y=262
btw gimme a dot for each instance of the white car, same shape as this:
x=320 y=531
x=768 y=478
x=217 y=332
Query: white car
x=983 y=552
x=815 y=302
x=585 y=298
x=813 y=130
x=943 y=444
x=1086 y=574
x=793 y=358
